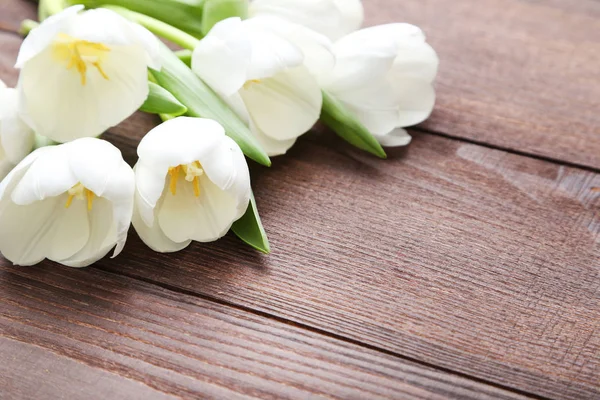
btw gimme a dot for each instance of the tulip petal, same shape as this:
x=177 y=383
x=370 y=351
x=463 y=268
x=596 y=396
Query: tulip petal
x=179 y=141
x=415 y=100
x=16 y=137
x=45 y=229
x=223 y=57
x=415 y=60
x=102 y=236
x=397 y=137
x=333 y=18
x=317 y=48
x=286 y=106
x=50 y=175
x=154 y=237
x=41 y=37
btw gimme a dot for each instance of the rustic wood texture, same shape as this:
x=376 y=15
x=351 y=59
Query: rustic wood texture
x=94 y=335
x=519 y=74
x=452 y=254
x=12 y=12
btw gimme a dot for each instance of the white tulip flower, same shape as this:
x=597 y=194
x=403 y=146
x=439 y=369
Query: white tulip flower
x=385 y=75
x=332 y=18
x=16 y=138
x=192 y=182
x=260 y=69
x=82 y=73
x=70 y=203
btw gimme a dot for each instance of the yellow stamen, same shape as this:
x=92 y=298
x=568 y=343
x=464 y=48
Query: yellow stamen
x=69 y=201
x=174 y=173
x=90 y=199
x=80 y=192
x=196 y=183
x=192 y=173
x=75 y=53
x=251 y=82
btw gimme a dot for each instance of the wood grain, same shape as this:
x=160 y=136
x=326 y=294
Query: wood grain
x=71 y=334
x=519 y=74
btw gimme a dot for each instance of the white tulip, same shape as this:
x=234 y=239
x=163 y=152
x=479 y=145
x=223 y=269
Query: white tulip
x=16 y=138
x=332 y=18
x=259 y=68
x=385 y=75
x=192 y=182
x=70 y=203
x=82 y=73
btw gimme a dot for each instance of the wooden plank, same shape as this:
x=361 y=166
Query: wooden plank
x=520 y=74
x=67 y=332
x=12 y=12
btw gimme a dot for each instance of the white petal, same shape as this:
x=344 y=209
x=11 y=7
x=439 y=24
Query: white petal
x=2 y=84
x=368 y=55
x=96 y=164
x=415 y=100
x=333 y=18
x=416 y=60
x=223 y=57
x=16 y=137
x=271 y=53
x=41 y=37
x=150 y=184
x=179 y=141
x=397 y=137
x=286 y=106
x=8 y=184
x=44 y=229
x=154 y=237
x=317 y=48
x=273 y=147
x=5 y=165
x=50 y=175
x=82 y=110
x=102 y=237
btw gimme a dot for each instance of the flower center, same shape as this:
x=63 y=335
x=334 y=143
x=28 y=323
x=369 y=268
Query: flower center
x=191 y=173
x=80 y=192
x=79 y=54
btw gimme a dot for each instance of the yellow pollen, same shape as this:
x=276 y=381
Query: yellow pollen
x=80 y=192
x=191 y=173
x=251 y=82
x=75 y=53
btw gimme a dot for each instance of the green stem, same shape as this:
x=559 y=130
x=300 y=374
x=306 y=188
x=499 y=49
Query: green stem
x=27 y=26
x=157 y=27
x=48 y=8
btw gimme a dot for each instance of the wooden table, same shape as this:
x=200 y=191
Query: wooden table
x=465 y=266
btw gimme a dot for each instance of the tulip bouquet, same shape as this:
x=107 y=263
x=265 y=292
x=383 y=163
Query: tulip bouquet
x=250 y=79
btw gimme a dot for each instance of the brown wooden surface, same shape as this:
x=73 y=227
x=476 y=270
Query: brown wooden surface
x=452 y=269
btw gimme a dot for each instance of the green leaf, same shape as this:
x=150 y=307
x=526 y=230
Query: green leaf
x=161 y=101
x=185 y=55
x=249 y=228
x=203 y=102
x=343 y=122
x=218 y=10
x=182 y=14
